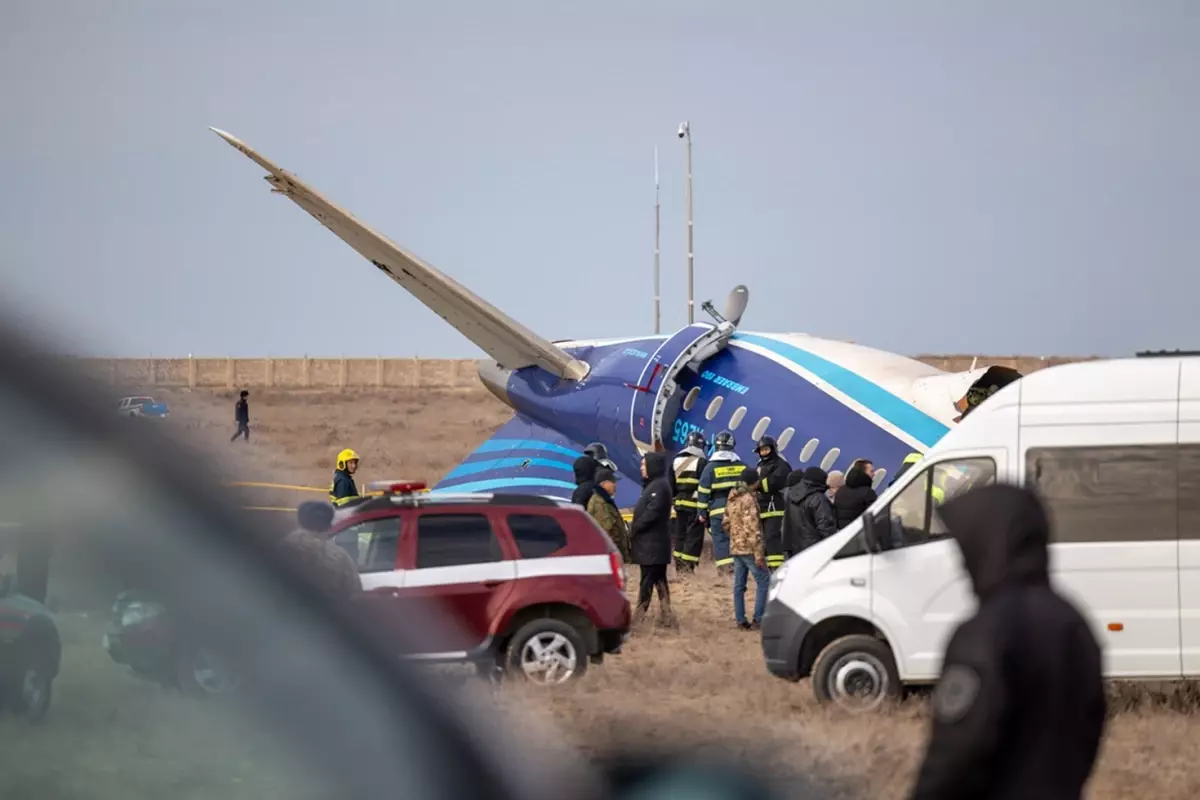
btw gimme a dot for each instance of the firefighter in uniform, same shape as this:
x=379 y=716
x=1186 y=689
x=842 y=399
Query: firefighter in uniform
x=688 y=532
x=905 y=466
x=343 y=490
x=722 y=473
x=773 y=473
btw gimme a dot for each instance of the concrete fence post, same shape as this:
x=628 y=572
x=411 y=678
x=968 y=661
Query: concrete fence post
x=153 y=372
x=229 y=373
x=269 y=371
x=191 y=373
x=342 y=374
x=416 y=373
x=306 y=372
x=379 y=372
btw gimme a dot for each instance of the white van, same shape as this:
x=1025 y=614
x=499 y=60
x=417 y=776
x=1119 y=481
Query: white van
x=1113 y=449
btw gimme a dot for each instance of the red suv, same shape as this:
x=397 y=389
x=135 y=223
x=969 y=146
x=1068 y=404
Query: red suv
x=535 y=585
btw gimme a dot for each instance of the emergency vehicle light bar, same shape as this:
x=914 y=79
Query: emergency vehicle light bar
x=399 y=487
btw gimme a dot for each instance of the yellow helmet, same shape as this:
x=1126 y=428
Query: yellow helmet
x=345 y=456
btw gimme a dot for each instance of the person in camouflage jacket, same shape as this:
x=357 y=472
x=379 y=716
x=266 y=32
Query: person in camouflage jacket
x=604 y=510
x=747 y=548
x=327 y=565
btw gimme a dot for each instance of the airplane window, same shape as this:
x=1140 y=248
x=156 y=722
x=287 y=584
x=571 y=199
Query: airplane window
x=830 y=458
x=737 y=418
x=760 y=428
x=714 y=407
x=785 y=438
x=810 y=447
x=880 y=476
x=689 y=401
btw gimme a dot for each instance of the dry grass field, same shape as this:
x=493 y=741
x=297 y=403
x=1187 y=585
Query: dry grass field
x=704 y=681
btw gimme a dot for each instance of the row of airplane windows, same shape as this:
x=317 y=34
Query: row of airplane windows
x=760 y=430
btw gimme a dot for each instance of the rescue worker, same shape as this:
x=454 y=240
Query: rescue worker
x=241 y=415
x=585 y=472
x=855 y=496
x=330 y=567
x=747 y=546
x=650 y=536
x=343 y=490
x=603 y=509
x=1019 y=709
x=809 y=515
x=686 y=469
x=722 y=473
x=906 y=465
x=773 y=471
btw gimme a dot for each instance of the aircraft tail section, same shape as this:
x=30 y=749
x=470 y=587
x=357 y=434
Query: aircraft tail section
x=509 y=342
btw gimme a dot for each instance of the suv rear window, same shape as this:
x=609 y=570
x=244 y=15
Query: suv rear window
x=450 y=540
x=536 y=535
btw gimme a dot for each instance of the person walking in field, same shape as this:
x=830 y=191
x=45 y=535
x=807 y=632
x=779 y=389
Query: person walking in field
x=241 y=415
x=747 y=546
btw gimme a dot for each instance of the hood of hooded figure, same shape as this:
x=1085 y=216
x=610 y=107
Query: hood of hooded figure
x=1003 y=533
x=585 y=468
x=656 y=465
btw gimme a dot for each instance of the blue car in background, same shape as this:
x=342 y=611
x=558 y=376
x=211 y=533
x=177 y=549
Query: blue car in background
x=141 y=407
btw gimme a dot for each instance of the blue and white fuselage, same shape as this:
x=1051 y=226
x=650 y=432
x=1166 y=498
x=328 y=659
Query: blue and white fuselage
x=826 y=402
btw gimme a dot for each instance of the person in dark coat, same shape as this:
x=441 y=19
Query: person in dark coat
x=1019 y=709
x=855 y=497
x=585 y=479
x=650 y=535
x=241 y=415
x=808 y=514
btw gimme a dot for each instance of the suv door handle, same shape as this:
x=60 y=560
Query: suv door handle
x=492 y=584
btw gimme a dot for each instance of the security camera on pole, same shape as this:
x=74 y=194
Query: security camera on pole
x=685 y=132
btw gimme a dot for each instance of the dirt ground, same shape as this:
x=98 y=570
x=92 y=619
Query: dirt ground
x=704 y=681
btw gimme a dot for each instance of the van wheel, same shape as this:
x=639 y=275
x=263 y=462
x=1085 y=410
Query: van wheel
x=548 y=652
x=856 y=673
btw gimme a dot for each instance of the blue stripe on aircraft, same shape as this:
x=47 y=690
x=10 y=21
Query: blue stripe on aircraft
x=497 y=483
x=904 y=416
x=514 y=462
x=492 y=445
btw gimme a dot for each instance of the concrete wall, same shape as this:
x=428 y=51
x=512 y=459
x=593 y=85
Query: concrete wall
x=390 y=373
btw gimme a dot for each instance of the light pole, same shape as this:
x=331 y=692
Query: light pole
x=657 y=228
x=685 y=132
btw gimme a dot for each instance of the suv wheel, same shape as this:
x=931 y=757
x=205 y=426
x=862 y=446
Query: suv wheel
x=857 y=673
x=548 y=652
x=204 y=673
x=31 y=680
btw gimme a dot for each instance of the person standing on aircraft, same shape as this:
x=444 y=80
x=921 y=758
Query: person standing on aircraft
x=604 y=510
x=241 y=415
x=686 y=470
x=343 y=490
x=722 y=473
x=809 y=516
x=747 y=545
x=773 y=473
x=1019 y=709
x=650 y=536
x=856 y=496
x=585 y=472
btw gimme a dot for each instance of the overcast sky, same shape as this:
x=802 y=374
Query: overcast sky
x=1005 y=177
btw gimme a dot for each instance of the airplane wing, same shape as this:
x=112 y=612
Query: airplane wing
x=500 y=336
x=523 y=457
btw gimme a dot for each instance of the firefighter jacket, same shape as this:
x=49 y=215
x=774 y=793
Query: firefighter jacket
x=686 y=470
x=722 y=473
x=342 y=490
x=773 y=473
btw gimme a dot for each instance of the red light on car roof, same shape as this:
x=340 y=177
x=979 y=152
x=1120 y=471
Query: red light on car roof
x=398 y=487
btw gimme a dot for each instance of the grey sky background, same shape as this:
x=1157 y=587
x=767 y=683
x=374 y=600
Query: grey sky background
x=924 y=177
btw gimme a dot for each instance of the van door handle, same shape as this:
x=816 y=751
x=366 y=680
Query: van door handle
x=858 y=581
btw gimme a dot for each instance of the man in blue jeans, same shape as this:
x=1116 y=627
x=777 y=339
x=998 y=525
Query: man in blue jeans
x=746 y=547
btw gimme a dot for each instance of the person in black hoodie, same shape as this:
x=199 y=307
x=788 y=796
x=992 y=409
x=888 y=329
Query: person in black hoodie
x=595 y=456
x=650 y=535
x=1019 y=709
x=855 y=496
x=808 y=513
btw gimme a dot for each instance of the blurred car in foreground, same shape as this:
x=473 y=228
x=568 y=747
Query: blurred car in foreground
x=534 y=586
x=29 y=653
